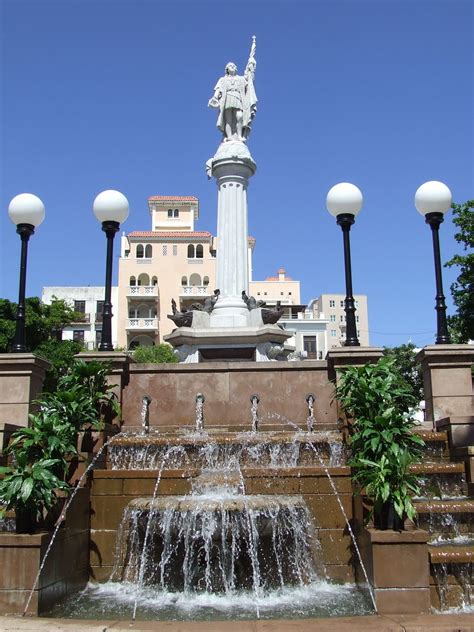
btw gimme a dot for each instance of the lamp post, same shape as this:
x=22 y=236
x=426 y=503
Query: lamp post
x=344 y=202
x=27 y=212
x=111 y=209
x=433 y=199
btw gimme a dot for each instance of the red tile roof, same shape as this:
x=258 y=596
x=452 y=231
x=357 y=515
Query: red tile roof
x=179 y=198
x=170 y=233
x=177 y=233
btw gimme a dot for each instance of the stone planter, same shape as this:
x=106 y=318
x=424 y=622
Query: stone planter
x=398 y=568
x=65 y=570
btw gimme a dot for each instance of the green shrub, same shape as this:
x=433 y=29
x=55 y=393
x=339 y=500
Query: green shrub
x=154 y=355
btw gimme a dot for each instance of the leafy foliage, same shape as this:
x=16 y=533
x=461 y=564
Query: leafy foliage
x=61 y=355
x=30 y=487
x=44 y=325
x=461 y=325
x=377 y=398
x=154 y=355
x=404 y=363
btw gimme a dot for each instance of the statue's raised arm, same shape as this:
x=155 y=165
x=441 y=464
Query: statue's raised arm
x=235 y=98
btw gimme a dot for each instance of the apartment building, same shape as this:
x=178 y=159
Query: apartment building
x=88 y=303
x=332 y=307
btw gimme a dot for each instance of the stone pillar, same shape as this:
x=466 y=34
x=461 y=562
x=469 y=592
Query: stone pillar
x=341 y=357
x=21 y=382
x=447 y=380
x=119 y=361
x=232 y=166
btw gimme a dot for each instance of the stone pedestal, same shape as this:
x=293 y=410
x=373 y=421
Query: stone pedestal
x=342 y=357
x=447 y=380
x=397 y=564
x=21 y=382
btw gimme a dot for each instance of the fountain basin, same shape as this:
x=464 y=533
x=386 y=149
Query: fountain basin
x=274 y=449
x=216 y=543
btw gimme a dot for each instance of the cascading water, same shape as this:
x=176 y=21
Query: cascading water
x=310 y=399
x=199 y=412
x=254 y=401
x=209 y=540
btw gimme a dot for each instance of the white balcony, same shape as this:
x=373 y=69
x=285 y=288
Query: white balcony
x=142 y=324
x=194 y=290
x=142 y=291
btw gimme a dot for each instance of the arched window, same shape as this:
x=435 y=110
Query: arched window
x=194 y=279
x=148 y=251
x=191 y=251
x=154 y=281
x=205 y=281
x=184 y=281
x=170 y=212
x=133 y=280
x=176 y=213
x=199 y=251
x=143 y=279
x=139 y=251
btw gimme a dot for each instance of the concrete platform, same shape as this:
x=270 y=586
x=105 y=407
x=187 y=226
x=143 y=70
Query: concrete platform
x=431 y=623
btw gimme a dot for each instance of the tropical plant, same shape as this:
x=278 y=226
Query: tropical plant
x=47 y=437
x=84 y=395
x=154 y=355
x=30 y=489
x=377 y=399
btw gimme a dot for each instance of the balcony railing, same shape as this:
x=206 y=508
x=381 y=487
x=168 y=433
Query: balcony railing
x=81 y=318
x=142 y=324
x=194 y=290
x=142 y=291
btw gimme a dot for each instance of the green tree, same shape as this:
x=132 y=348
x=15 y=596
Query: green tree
x=61 y=355
x=461 y=324
x=405 y=365
x=154 y=355
x=43 y=322
x=44 y=325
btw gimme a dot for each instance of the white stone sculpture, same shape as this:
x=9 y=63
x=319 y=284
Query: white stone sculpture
x=236 y=100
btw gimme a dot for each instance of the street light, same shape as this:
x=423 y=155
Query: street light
x=344 y=202
x=111 y=209
x=27 y=212
x=432 y=200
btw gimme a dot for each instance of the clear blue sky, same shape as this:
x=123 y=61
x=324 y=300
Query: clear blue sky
x=113 y=94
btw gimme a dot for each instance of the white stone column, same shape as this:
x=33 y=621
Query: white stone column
x=232 y=166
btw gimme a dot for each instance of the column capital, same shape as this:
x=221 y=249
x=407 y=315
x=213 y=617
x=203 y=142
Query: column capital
x=340 y=357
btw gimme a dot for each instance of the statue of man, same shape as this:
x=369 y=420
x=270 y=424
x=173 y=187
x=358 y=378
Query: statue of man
x=235 y=98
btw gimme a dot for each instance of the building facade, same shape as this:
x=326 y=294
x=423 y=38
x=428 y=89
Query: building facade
x=332 y=307
x=88 y=303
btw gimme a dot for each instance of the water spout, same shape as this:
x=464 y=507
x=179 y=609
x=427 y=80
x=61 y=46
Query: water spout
x=145 y=414
x=254 y=400
x=200 y=399
x=310 y=399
